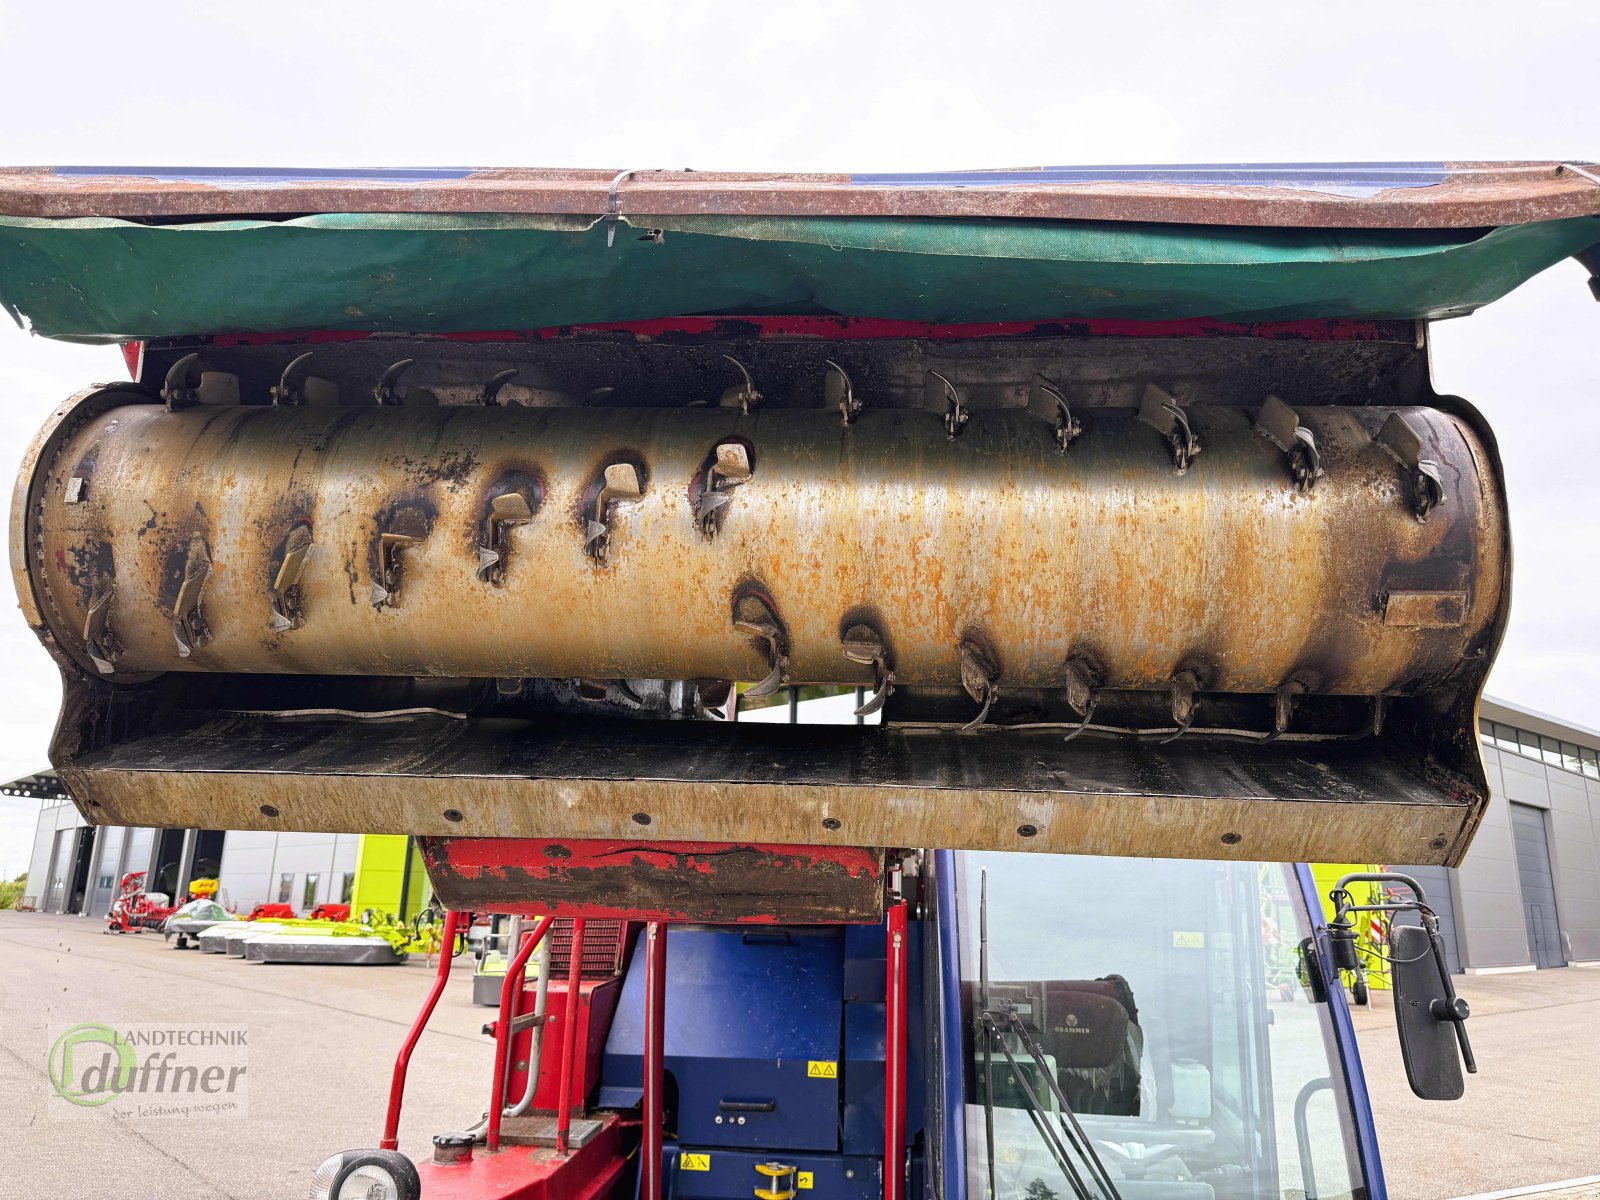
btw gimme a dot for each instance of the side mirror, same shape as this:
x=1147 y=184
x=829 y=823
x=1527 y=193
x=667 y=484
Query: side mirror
x=1429 y=1016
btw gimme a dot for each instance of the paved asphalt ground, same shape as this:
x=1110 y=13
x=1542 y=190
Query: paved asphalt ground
x=322 y=1043
x=1531 y=1114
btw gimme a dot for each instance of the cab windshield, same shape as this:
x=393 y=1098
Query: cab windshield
x=1159 y=1002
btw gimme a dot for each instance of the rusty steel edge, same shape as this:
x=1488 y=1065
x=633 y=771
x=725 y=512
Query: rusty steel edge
x=1188 y=827
x=1471 y=195
x=724 y=882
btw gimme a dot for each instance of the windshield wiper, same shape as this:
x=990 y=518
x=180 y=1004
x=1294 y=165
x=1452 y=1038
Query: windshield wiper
x=992 y=1021
x=997 y=1024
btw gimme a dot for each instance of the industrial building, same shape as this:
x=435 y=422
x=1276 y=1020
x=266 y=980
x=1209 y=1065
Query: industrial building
x=1527 y=896
x=75 y=867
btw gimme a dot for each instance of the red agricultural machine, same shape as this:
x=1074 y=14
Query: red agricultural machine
x=134 y=910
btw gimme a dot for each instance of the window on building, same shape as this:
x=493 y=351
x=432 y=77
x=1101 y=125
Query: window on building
x=347 y=887
x=286 y=889
x=105 y=881
x=1569 y=758
x=1550 y=750
x=312 y=881
x=1590 y=761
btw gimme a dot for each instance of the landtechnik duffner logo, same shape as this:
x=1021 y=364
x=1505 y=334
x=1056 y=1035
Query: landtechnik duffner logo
x=148 y=1071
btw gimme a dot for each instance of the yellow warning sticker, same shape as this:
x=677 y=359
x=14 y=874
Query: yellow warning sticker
x=694 y=1162
x=803 y=1180
x=1189 y=941
x=822 y=1070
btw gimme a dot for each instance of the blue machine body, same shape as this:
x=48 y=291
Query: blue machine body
x=774 y=1052
x=774 y=1048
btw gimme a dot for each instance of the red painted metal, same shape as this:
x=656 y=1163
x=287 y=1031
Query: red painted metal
x=597 y=1006
x=569 y=1042
x=397 y=1086
x=894 y=1061
x=724 y=882
x=510 y=991
x=655 y=990
x=688 y=329
x=133 y=355
x=593 y=1171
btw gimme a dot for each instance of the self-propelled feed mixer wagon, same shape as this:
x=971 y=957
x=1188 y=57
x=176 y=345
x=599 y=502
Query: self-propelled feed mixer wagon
x=476 y=506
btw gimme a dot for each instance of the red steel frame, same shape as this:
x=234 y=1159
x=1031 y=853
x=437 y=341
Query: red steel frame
x=569 y=1043
x=894 y=1058
x=655 y=990
x=510 y=992
x=391 y=1126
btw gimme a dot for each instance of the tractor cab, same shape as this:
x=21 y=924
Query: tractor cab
x=1159 y=1024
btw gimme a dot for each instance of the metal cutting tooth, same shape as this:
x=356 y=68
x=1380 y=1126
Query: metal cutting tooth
x=742 y=395
x=980 y=676
x=1162 y=413
x=862 y=644
x=189 y=627
x=1047 y=402
x=753 y=614
x=98 y=638
x=1082 y=684
x=506 y=511
x=939 y=396
x=1280 y=425
x=1185 y=683
x=1401 y=440
x=730 y=467
x=285 y=595
x=838 y=391
x=619 y=483
x=711 y=698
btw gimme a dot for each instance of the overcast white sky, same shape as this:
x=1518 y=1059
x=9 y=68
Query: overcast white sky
x=845 y=86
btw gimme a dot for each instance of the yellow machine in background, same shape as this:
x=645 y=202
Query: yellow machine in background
x=1372 y=937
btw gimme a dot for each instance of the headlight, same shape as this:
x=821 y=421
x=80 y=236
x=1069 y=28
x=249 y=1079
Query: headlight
x=366 y=1175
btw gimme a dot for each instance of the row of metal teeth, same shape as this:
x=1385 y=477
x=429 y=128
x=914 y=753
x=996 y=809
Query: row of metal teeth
x=1276 y=421
x=753 y=614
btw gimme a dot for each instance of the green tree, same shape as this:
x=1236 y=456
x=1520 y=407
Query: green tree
x=1039 y=1190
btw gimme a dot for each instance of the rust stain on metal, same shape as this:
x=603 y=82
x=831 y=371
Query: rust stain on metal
x=1472 y=195
x=1040 y=551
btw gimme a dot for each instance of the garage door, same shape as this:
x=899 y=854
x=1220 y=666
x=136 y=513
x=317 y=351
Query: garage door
x=1538 y=886
x=1435 y=882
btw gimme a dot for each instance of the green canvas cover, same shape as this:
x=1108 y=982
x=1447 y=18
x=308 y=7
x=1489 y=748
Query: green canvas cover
x=101 y=279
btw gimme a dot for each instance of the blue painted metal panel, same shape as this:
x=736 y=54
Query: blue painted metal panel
x=731 y=1174
x=1344 y=1036
x=864 y=1041
x=747 y=1013
x=1345 y=178
x=949 y=1104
